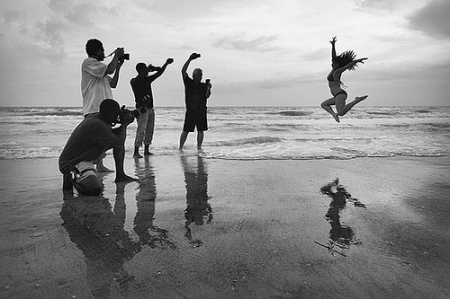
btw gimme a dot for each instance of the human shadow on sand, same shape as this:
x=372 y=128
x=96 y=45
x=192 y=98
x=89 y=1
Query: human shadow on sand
x=341 y=236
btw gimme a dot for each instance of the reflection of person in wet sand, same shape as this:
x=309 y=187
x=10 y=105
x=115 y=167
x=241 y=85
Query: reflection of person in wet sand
x=148 y=233
x=345 y=61
x=341 y=234
x=198 y=207
x=106 y=246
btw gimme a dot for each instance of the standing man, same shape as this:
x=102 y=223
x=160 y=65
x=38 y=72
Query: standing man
x=196 y=95
x=96 y=83
x=142 y=89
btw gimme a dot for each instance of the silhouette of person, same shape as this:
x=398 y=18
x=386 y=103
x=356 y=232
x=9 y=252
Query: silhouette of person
x=345 y=61
x=96 y=84
x=196 y=95
x=340 y=234
x=143 y=95
x=198 y=208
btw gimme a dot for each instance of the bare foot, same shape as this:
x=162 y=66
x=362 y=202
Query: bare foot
x=360 y=99
x=148 y=154
x=336 y=118
x=137 y=156
x=103 y=169
x=124 y=178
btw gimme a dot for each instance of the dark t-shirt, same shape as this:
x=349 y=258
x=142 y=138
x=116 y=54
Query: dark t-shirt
x=88 y=141
x=142 y=89
x=195 y=95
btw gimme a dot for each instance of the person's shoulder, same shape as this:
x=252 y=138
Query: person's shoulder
x=92 y=62
x=187 y=79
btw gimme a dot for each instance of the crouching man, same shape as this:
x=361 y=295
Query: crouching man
x=90 y=139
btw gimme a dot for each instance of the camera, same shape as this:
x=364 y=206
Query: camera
x=124 y=57
x=124 y=111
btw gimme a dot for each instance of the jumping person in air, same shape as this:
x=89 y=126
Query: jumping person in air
x=345 y=61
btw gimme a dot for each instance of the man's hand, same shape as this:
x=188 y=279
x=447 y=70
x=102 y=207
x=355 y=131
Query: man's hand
x=152 y=68
x=127 y=119
x=119 y=52
x=333 y=40
x=169 y=60
x=194 y=56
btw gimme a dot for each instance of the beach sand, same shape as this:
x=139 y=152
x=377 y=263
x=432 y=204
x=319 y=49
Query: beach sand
x=202 y=228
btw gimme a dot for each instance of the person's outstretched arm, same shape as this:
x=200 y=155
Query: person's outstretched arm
x=348 y=66
x=333 y=47
x=186 y=64
x=160 y=70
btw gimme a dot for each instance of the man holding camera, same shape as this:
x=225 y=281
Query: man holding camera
x=196 y=95
x=96 y=83
x=142 y=89
x=90 y=139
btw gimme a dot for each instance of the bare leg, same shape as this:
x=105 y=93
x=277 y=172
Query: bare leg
x=351 y=104
x=136 y=152
x=326 y=105
x=147 y=151
x=99 y=164
x=183 y=138
x=119 y=158
x=200 y=136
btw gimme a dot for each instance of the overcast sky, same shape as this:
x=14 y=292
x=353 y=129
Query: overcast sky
x=256 y=52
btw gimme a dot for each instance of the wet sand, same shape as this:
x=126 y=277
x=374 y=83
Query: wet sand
x=202 y=228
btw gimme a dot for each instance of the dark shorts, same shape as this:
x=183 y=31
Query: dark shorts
x=194 y=119
x=340 y=92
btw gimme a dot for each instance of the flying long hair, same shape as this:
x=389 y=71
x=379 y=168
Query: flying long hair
x=345 y=58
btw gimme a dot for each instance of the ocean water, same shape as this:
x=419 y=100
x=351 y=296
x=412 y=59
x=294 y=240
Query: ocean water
x=250 y=133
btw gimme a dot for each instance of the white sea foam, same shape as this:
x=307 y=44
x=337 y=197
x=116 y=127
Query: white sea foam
x=251 y=132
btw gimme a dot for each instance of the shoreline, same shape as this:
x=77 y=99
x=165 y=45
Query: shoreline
x=211 y=228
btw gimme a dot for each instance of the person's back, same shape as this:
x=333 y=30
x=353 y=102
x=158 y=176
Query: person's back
x=95 y=85
x=87 y=142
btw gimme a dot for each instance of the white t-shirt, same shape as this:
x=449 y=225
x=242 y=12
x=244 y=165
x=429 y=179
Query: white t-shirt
x=94 y=85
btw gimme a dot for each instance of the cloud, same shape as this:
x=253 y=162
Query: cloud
x=376 y=4
x=317 y=55
x=241 y=43
x=432 y=19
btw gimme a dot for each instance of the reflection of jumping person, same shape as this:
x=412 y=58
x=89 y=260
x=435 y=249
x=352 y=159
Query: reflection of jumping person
x=345 y=61
x=196 y=95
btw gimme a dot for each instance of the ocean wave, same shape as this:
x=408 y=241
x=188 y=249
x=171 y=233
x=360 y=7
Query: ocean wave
x=292 y=113
x=316 y=157
x=54 y=113
x=244 y=141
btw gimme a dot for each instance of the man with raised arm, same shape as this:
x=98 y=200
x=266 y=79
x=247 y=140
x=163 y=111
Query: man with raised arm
x=196 y=95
